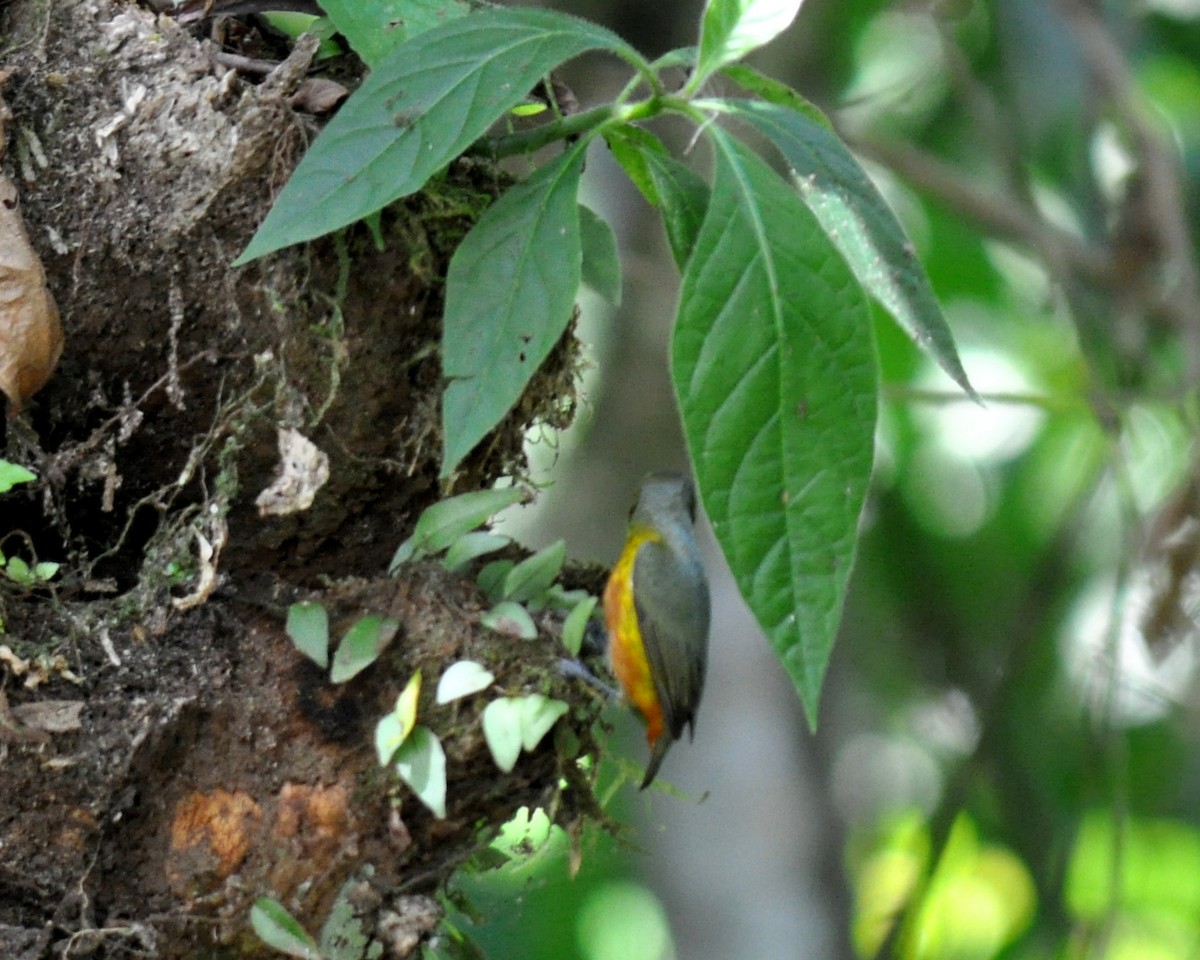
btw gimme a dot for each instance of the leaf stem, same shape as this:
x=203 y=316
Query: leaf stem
x=527 y=141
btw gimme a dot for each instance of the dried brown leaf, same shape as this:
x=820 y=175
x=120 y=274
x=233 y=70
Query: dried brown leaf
x=31 y=338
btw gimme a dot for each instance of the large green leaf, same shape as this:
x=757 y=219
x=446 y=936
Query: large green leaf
x=861 y=224
x=510 y=291
x=373 y=27
x=424 y=104
x=774 y=366
x=730 y=29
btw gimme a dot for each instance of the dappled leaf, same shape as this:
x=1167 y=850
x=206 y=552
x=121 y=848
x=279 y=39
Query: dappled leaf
x=510 y=291
x=774 y=366
x=861 y=224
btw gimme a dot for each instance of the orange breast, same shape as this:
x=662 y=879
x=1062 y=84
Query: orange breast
x=626 y=652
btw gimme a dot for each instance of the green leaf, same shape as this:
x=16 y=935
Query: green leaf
x=491 y=577
x=684 y=200
x=773 y=91
x=308 y=628
x=665 y=182
x=389 y=734
x=472 y=546
x=859 y=221
x=510 y=291
x=529 y=109
x=279 y=929
x=730 y=29
x=45 y=570
x=502 y=731
x=532 y=577
x=511 y=619
x=629 y=145
x=425 y=102
x=601 y=264
x=462 y=679
x=421 y=763
x=12 y=473
x=538 y=714
x=575 y=626
x=447 y=520
x=18 y=571
x=774 y=366
x=361 y=646
x=373 y=28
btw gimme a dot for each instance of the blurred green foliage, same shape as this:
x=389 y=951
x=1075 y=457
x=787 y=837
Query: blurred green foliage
x=1017 y=771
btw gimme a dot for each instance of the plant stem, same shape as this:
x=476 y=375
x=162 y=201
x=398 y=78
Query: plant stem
x=527 y=141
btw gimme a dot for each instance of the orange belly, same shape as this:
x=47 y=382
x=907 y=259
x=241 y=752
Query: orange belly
x=626 y=652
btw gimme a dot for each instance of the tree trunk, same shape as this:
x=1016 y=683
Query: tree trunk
x=166 y=755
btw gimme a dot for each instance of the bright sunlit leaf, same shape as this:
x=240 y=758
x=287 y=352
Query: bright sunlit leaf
x=732 y=28
x=462 y=679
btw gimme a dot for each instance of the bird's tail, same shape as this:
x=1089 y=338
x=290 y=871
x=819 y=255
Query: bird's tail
x=657 y=752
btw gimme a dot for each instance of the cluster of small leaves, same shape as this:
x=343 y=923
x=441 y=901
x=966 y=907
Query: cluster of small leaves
x=14 y=568
x=772 y=355
x=451 y=528
x=510 y=724
x=363 y=642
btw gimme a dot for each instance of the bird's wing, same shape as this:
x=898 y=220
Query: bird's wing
x=671 y=598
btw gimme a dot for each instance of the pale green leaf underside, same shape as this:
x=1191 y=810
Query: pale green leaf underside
x=425 y=102
x=774 y=366
x=859 y=221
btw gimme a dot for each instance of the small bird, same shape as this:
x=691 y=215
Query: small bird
x=656 y=606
